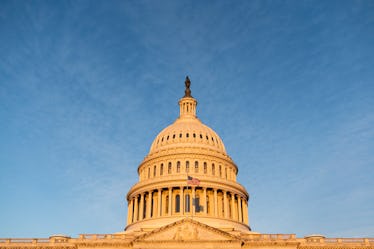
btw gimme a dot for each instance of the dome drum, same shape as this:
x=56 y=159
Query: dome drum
x=199 y=166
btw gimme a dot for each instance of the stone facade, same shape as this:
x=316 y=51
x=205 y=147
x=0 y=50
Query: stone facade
x=187 y=196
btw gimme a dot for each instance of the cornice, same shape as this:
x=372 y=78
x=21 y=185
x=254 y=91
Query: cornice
x=142 y=187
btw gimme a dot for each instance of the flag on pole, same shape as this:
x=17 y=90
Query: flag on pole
x=193 y=181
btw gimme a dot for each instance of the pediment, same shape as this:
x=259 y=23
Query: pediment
x=187 y=230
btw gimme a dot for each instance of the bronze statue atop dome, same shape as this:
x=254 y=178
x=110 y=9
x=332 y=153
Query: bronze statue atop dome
x=187 y=92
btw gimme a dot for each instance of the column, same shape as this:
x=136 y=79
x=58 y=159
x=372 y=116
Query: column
x=240 y=210
x=141 y=211
x=170 y=199
x=233 y=209
x=215 y=203
x=193 y=200
x=181 y=201
x=205 y=202
x=129 y=211
x=225 y=205
x=159 y=202
x=136 y=208
x=245 y=204
x=149 y=204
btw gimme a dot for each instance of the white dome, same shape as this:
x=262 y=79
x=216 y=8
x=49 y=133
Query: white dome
x=187 y=132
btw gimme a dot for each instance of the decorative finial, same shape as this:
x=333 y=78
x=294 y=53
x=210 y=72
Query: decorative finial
x=187 y=92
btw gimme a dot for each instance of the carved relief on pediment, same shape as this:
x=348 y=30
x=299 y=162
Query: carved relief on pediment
x=187 y=231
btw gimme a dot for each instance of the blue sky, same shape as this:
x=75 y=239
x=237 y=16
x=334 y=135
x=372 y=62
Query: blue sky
x=85 y=86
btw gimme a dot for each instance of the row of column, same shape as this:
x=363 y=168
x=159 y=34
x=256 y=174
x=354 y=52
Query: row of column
x=158 y=203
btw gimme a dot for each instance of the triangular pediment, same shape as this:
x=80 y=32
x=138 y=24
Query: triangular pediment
x=187 y=230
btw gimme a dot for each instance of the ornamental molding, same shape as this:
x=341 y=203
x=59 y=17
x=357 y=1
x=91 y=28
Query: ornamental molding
x=142 y=187
x=187 y=230
x=336 y=246
x=115 y=244
x=33 y=246
x=187 y=152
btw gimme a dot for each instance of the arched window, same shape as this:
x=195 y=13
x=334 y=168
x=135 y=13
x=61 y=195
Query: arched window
x=213 y=169
x=154 y=170
x=196 y=203
x=205 y=168
x=187 y=166
x=161 y=169
x=207 y=205
x=152 y=205
x=220 y=171
x=226 y=173
x=145 y=206
x=177 y=203
x=166 y=204
x=178 y=167
x=149 y=172
x=187 y=135
x=169 y=168
x=187 y=203
x=196 y=166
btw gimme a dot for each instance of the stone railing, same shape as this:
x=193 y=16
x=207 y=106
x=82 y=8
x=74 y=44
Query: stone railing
x=95 y=236
x=270 y=237
x=322 y=239
x=25 y=240
x=314 y=239
x=52 y=239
